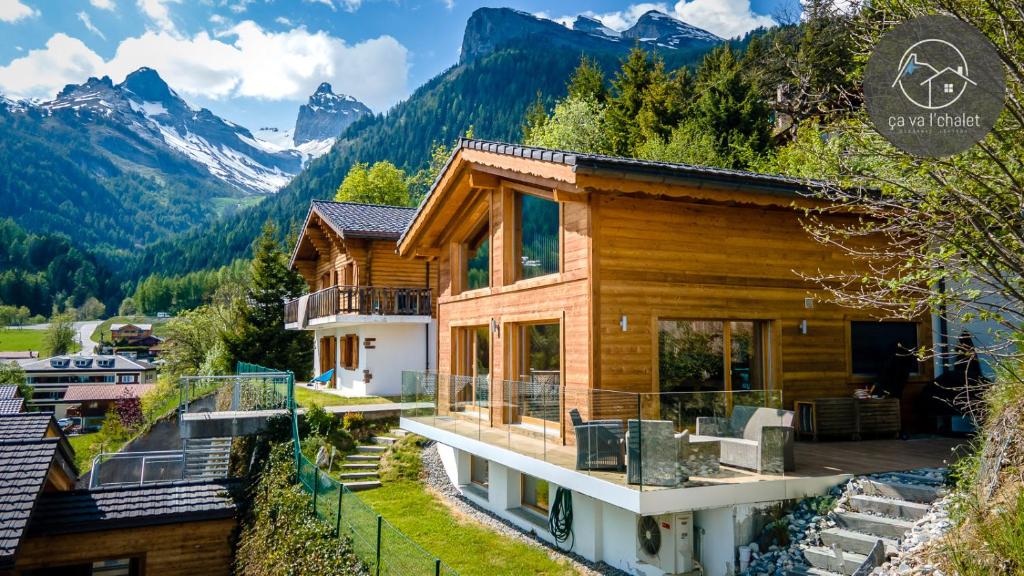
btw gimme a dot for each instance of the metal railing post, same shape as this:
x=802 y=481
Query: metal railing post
x=437 y=567
x=316 y=488
x=380 y=526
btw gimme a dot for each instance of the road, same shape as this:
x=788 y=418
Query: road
x=83 y=332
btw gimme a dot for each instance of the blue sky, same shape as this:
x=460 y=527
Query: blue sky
x=255 y=61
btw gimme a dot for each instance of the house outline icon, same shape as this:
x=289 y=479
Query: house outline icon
x=952 y=76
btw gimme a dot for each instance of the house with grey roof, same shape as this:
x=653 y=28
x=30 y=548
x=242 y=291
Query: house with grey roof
x=52 y=378
x=47 y=525
x=370 y=311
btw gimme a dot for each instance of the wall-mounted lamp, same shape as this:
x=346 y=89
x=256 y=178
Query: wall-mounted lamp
x=623 y=323
x=803 y=327
x=809 y=303
x=495 y=327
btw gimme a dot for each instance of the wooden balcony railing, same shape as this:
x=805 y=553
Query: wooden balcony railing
x=361 y=300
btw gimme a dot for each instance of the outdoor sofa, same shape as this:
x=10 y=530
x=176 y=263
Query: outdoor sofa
x=755 y=438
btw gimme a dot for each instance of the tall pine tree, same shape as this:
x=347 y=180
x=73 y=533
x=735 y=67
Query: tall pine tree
x=260 y=337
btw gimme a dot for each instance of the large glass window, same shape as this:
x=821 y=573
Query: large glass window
x=535 y=494
x=691 y=355
x=874 y=346
x=472 y=364
x=539 y=365
x=747 y=355
x=478 y=258
x=537 y=241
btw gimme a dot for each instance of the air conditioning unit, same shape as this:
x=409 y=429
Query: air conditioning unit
x=666 y=541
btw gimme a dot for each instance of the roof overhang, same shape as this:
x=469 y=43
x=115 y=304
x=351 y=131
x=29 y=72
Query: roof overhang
x=340 y=232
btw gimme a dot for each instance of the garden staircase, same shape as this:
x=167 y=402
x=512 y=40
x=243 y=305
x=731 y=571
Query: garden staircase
x=868 y=529
x=207 y=458
x=360 y=471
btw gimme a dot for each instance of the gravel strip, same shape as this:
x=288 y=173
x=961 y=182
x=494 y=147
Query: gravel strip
x=438 y=480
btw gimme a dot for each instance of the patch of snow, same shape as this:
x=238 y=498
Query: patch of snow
x=315 y=148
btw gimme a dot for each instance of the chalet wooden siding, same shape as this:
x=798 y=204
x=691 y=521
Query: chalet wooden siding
x=645 y=248
x=190 y=548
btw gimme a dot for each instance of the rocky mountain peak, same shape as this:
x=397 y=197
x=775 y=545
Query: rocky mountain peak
x=326 y=115
x=593 y=26
x=655 y=25
x=148 y=86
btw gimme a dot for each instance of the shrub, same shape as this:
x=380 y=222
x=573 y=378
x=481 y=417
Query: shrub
x=280 y=535
x=359 y=427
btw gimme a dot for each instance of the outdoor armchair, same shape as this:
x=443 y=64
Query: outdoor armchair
x=753 y=437
x=599 y=443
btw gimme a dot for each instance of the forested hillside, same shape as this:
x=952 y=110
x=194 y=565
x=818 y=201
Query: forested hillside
x=489 y=95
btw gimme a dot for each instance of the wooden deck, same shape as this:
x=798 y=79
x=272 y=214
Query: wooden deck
x=813 y=459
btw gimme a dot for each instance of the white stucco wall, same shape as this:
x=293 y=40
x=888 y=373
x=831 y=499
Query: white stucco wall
x=398 y=347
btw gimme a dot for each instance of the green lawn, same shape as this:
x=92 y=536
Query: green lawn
x=159 y=325
x=84 y=451
x=467 y=546
x=306 y=397
x=13 y=340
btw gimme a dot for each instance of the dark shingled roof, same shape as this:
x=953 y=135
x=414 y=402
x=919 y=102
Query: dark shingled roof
x=132 y=507
x=8 y=391
x=23 y=468
x=583 y=163
x=24 y=427
x=352 y=220
x=11 y=405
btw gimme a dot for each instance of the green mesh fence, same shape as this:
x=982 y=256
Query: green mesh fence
x=375 y=541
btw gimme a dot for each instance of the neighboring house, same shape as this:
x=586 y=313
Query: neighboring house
x=51 y=378
x=140 y=348
x=10 y=402
x=120 y=332
x=371 y=312
x=51 y=528
x=91 y=403
x=574 y=288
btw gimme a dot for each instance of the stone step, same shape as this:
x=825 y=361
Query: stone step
x=371 y=449
x=901 y=509
x=874 y=525
x=385 y=440
x=825 y=559
x=854 y=541
x=809 y=571
x=357 y=475
x=899 y=491
x=398 y=432
x=360 y=466
x=366 y=485
x=362 y=458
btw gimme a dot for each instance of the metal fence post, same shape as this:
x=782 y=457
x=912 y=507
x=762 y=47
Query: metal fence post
x=380 y=525
x=337 y=527
x=437 y=567
x=316 y=487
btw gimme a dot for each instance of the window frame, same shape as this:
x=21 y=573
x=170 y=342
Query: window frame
x=768 y=337
x=513 y=232
x=474 y=461
x=482 y=230
x=349 y=352
x=529 y=506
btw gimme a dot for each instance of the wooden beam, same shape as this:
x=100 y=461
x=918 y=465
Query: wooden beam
x=483 y=180
x=710 y=193
x=320 y=243
x=567 y=196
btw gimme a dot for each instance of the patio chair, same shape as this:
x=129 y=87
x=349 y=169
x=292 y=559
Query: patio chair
x=324 y=378
x=599 y=443
x=754 y=437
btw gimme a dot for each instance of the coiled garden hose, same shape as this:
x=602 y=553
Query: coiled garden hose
x=560 y=518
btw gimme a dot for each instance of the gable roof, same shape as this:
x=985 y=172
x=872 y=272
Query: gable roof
x=8 y=391
x=28 y=449
x=627 y=168
x=121 y=363
x=11 y=405
x=139 y=326
x=132 y=506
x=351 y=220
x=90 y=392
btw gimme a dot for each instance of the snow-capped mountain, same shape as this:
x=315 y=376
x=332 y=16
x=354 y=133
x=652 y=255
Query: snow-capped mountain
x=490 y=29
x=154 y=113
x=326 y=115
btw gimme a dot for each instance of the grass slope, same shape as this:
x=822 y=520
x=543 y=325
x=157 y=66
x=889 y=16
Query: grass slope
x=19 y=340
x=470 y=548
x=307 y=397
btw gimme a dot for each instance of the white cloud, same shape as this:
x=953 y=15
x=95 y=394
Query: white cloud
x=726 y=18
x=283 y=21
x=87 y=21
x=42 y=72
x=103 y=4
x=14 y=10
x=449 y=4
x=218 y=19
x=157 y=11
x=244 y=60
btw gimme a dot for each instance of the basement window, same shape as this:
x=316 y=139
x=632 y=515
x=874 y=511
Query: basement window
x=535 y=494
x=478 y=471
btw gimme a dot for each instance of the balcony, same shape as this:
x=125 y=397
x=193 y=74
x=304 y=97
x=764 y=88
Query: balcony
x=610 y=442
x=357 y=301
